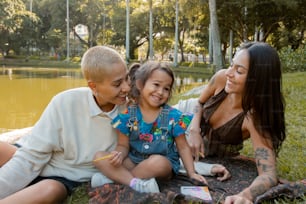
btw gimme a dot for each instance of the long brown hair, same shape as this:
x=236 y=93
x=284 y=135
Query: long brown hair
x=263 y=96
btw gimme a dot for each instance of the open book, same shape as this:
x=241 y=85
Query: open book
x=201 y=192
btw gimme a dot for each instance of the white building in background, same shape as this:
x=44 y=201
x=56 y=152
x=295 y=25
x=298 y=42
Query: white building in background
x=81 y=30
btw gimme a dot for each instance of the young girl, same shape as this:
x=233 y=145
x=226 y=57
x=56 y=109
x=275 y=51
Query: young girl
x=150 y=133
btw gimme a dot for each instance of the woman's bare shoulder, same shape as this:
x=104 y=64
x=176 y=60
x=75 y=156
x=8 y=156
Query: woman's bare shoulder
x=221 y=75
x=215 y=85
x=218 y=80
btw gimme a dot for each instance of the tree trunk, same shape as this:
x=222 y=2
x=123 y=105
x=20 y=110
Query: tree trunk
x=216 y=43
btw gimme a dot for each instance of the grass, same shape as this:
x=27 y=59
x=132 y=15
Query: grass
x=22 y=62
x=291 y=160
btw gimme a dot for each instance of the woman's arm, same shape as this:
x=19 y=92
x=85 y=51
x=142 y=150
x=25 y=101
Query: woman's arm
x=195 y=141
x=265 y=162
x=194 y=136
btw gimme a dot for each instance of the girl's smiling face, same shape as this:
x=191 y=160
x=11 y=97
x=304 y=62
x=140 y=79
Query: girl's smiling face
x=157 y=89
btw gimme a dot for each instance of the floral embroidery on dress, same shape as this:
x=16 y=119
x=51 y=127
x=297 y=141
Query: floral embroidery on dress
x=117 y=123
x=155 y=129
x=146 y=137
x=135 y=125
x=184 y=121
x=171 y=122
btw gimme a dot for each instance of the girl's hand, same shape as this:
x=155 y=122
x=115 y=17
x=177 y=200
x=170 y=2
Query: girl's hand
x=196 y=144
x=198 y=177
x=116 y=159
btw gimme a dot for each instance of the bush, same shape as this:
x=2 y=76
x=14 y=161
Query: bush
x=293 y=60
x=76 y=59
x=14 y=57
x=193 y=64
x=34 y=57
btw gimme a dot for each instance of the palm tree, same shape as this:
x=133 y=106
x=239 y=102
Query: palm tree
x=176 y=32
x=127 y=38
x=151 y=32
x=215 y=36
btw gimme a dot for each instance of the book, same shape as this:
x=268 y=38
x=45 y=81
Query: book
x=201 y=192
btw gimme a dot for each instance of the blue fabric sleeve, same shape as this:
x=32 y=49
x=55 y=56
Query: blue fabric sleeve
x=180 y=121
x=120 y=122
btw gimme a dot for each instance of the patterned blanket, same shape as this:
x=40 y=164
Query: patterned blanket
x=243 y=172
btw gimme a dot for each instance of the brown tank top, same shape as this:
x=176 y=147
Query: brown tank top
x=225 y=140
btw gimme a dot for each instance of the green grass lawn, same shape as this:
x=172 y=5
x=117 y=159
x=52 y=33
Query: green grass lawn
x=292 y=156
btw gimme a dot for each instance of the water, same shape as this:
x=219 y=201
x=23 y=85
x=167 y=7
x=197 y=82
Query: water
x=25 y=92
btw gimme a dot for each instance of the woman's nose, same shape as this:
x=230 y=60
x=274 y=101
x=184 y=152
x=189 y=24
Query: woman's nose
x=229 y=71
x=126 y=86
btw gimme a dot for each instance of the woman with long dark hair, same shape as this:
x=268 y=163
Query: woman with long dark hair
x=241 y=102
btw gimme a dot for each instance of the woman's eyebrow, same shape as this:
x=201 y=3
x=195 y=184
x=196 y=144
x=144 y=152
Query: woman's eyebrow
x=239 y=65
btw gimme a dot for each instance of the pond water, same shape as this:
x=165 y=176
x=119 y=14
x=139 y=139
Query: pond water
x=25 y=92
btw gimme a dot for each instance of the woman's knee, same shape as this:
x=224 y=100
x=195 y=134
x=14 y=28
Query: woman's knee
x=6 y=152
x=53 y=191
x=45 y=191
x=97 y=157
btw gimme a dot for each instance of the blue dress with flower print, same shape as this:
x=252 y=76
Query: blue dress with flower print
x=157 y=137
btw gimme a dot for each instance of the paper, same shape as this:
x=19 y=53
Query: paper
x=201 y=192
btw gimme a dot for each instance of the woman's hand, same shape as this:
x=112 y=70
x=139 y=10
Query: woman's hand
x=237 y=199
x=196 y=144
x=221 y=172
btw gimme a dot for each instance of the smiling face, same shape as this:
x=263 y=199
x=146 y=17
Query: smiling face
x=237 y=73
x=113 y=89
x=156 y=90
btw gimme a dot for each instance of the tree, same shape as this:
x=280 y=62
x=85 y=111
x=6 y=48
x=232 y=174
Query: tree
x=281 y=23
x=13 y=21
x=217 y=55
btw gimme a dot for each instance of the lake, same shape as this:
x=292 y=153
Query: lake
x=25 y=92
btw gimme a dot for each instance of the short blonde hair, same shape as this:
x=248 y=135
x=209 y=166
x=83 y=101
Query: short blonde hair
x=97 y=61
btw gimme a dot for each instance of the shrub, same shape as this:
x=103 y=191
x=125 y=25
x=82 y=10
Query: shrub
x=76 y=59
x=293 y=60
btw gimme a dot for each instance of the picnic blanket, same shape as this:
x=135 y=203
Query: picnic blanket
x=243 y=172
